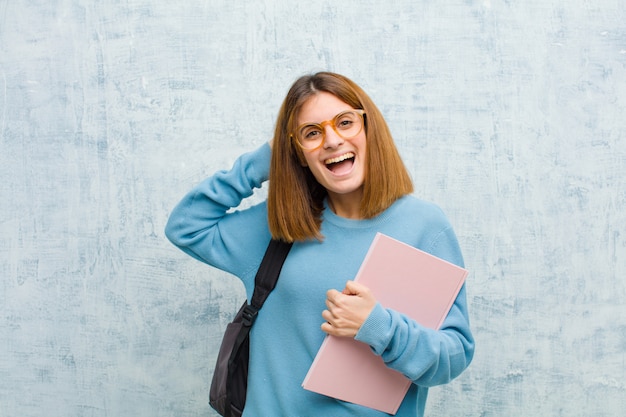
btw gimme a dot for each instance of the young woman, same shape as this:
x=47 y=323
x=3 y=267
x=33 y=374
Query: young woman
x=335 y=180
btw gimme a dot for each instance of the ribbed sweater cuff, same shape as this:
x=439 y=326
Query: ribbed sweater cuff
x=376 y=330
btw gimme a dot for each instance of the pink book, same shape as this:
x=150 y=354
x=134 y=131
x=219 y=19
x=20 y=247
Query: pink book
x=401 y=278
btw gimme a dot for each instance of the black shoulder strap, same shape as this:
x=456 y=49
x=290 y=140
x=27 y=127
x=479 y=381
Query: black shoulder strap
x=266 y=276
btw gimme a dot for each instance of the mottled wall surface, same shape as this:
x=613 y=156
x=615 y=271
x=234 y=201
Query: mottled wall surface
x=511 y=115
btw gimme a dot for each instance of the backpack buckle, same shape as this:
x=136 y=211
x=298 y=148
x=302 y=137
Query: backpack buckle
x=248 y=316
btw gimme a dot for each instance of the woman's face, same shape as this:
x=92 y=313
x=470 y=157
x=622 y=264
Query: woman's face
x=339 y=164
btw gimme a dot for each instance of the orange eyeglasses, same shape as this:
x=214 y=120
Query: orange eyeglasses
x=346 y=124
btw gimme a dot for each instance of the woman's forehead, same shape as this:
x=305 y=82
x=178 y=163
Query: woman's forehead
x=321 y=107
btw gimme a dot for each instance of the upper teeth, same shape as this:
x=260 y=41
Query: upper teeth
x=339 y=158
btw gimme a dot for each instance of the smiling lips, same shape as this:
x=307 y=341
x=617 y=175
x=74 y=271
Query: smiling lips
x=335 y=163
x=340 y=158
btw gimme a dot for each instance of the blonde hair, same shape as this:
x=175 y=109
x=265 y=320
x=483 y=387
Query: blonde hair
x=295 y=198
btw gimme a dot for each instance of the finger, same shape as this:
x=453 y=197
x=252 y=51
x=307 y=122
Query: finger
x=331 y=295
x=336 y=331
x=349 y=288
x=354 y=288
x=328 y=316
x=326 y=327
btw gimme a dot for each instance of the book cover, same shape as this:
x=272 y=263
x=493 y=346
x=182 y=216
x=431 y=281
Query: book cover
x=401 y=278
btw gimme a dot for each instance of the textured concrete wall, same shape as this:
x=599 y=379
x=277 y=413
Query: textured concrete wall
x=510 y=114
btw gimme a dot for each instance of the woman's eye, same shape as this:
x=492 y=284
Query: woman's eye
x=344 y=123
x=311 y=134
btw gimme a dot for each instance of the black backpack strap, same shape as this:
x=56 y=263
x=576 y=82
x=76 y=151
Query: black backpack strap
x=266 y=277
x=264 y=283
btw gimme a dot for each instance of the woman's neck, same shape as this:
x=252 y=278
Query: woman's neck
x=347 y=206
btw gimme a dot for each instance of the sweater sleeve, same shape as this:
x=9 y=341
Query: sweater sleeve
x=427 y=357
x=203 y=225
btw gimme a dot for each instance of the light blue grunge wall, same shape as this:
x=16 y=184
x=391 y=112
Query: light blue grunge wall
x=510 y=114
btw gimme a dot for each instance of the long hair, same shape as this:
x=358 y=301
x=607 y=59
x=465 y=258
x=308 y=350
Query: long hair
x=295 y=198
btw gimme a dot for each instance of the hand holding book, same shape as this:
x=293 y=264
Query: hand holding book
x=347 y=310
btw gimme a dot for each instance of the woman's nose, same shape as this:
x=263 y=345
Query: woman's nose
x=331 y=137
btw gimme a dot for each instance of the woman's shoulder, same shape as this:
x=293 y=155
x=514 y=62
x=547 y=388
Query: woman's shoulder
x=415 y=206
x=425 y=226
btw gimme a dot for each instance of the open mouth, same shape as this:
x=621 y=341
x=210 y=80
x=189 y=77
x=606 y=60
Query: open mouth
x=340 y=164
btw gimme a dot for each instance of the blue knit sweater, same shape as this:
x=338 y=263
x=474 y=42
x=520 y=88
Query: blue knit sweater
x=287 y=335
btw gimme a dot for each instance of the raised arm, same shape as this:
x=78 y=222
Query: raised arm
x=203 y=225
